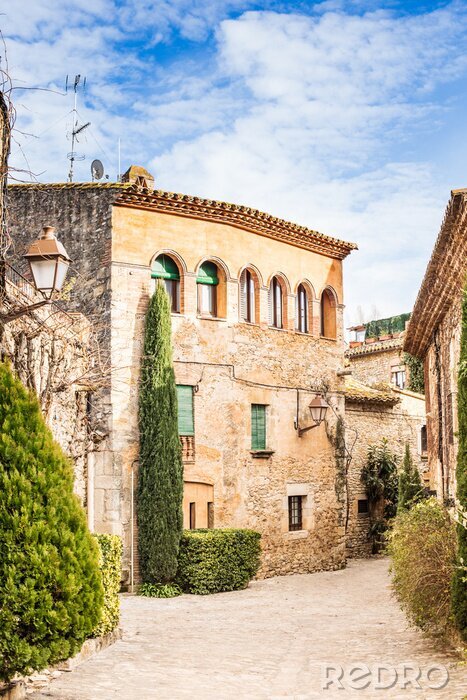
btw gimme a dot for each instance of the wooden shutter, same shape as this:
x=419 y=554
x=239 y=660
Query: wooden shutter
x=185 y=410
x=258 y=426
x=243 y=296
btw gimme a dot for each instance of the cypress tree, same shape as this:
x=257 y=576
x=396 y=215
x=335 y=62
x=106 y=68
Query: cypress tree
x=410 y=484
x=160 y=477
x=50 y=585
x=459 y=586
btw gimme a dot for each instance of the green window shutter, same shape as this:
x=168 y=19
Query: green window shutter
x=165 y=268
x=208 y=274
x=186 y=424
x=258 y=426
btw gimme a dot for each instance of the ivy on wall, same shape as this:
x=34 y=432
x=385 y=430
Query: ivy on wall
x=386 y=326
x=416 y=373
x=459 y=584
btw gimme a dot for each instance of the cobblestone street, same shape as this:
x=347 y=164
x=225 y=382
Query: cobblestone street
x=270 y=641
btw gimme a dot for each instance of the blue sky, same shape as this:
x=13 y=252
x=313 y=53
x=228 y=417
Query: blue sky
x=347 y=117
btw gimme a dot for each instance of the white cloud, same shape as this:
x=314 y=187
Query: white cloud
x=314 y=118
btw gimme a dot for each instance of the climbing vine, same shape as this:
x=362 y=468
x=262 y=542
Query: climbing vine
x=459 y=584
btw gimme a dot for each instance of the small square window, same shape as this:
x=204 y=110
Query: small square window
x=362 y=506
x=295 y=513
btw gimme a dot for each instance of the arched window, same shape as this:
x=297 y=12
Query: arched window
x=249 y=300
x=328 y=315
x=165 y=268
x=301 y=312
x=208 y=283
x=276 y=303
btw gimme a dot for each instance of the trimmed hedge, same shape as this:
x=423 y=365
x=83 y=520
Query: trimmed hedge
x=110 y=564
x=212 y=561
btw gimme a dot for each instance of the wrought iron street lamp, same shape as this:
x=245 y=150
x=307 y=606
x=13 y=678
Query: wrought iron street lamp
x=318 y=408
x=49 y=262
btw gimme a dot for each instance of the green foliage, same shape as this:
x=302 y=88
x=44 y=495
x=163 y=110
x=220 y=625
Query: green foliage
x=423 y=549
x=386 y=326
x=459 y=583
x=416 y=373
x=160 y=590
x=211 y=561
x=160 y=477
x=50 y=586
x=379 y=476
x=411 y=490
x=110 y=563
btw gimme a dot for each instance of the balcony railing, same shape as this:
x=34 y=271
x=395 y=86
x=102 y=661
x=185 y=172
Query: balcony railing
x=188 y=447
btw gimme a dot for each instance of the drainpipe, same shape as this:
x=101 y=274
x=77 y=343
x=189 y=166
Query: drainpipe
x=132 y=529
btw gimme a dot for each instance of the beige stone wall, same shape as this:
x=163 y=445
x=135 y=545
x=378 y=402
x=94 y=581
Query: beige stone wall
x=368 y=424
x=49 y=351
x=441 y=368
x=233 y=365
x=377 y=367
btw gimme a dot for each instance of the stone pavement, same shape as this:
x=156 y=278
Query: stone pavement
x=270 y=641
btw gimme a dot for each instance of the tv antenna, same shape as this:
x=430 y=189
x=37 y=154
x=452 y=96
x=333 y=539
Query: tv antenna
x=75 y=129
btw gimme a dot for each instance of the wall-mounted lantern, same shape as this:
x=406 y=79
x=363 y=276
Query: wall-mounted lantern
x=318 y=408
x=49 y=262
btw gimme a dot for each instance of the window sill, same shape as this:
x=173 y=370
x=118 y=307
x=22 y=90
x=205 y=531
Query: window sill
x=261 y=454
x=296 y=534
x=249 y=323
x=324 y=337
x=210 y=318
x=307 y=333
x=282 y=330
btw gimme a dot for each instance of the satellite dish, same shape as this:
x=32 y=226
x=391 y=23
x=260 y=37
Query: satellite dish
x=97 y=170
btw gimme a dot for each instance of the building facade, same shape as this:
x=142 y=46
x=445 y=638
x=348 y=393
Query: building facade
x=371 y=415
x=433 y=335
x=257 y=334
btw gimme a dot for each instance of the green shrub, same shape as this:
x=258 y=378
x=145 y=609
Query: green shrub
x=211 y=561
x=160 y=590
x=110 y=562
x=160 y=477
x=423 y=549
x=50 y=586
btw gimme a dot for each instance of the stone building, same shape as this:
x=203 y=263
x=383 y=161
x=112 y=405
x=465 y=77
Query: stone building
x=257 y=334
x=433 y=335
x=372 y=414
x=376 y=359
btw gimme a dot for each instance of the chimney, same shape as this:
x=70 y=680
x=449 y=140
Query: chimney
x=139 y=176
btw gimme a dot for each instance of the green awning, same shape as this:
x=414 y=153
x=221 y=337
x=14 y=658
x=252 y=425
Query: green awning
x=165 y=268
x=207 y=274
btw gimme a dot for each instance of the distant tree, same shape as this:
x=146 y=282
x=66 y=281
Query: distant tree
x=459 y=585
x=411 y=490
x=50 y=585
x=160 y=477
x=379 y=476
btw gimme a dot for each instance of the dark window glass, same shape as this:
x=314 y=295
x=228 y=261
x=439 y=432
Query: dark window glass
x=423 y=439
x=295 y=513
x=302 y=309
x=362 y=506
x=192 y=516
